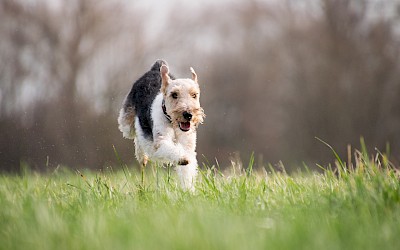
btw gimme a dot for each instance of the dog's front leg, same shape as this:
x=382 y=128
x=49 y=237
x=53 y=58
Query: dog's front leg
x=187 y=173
x=167 y=150
x=186 y=163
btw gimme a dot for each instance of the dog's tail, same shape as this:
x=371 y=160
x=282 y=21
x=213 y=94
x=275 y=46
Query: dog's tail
x=157 y=65
x=126 y=120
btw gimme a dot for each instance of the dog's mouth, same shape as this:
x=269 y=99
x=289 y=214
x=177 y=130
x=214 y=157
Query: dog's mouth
x=184 y=126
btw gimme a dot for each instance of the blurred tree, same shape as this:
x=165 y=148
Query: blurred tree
x=343 y=69
x=48 y=52
x=274 y=74
x=296 y=70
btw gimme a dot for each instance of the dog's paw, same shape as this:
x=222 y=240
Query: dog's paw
x=183 y=161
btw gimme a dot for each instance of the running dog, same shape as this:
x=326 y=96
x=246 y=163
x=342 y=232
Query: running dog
x=161 y=114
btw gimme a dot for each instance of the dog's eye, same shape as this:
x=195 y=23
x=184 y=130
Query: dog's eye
x=174 y=95
x=194 y=96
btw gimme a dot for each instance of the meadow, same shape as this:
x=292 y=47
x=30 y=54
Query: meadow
x=345 y=206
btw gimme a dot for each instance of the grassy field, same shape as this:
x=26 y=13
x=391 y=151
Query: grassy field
x=357 y=207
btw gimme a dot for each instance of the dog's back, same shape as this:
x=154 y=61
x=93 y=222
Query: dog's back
x=138 y=102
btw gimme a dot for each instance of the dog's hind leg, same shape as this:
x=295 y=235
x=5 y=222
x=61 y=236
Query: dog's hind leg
x=141 y=157
x=143 y=166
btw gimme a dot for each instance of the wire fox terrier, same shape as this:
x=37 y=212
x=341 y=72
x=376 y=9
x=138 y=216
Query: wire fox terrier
x=161 y=113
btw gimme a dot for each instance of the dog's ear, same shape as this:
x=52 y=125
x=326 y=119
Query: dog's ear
x=194 y=75
x=164 y=71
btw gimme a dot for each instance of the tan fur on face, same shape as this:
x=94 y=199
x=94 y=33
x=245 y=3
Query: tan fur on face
x=187 y=93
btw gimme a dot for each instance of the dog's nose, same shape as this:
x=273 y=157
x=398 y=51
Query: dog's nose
x=187 y=115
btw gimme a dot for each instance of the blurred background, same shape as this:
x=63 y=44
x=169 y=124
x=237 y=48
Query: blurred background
x=274 y=75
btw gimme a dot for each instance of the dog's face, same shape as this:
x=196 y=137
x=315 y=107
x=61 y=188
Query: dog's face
x=182 y=100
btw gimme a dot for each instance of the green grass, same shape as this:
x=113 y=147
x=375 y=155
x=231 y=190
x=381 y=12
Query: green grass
x=354 y=207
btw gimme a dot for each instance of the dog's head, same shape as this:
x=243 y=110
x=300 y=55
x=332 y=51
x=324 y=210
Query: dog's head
x=182 y=100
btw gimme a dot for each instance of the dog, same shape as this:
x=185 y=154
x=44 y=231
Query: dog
x=161 y=114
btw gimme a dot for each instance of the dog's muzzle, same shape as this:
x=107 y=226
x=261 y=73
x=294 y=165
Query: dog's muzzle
x=185 y=126
x=188 y=116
